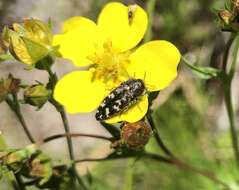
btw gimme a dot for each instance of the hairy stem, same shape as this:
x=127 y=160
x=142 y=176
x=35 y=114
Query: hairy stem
x=15 y=107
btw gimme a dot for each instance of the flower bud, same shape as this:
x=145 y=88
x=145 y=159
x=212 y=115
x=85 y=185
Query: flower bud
x=29 y=41
x=38 y=31
x=36 y=95
x=136 y=135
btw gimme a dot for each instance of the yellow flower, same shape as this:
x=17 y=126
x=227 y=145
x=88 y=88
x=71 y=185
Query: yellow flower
x=107 y=49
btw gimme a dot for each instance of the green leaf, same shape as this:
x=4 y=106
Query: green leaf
x=203 y=72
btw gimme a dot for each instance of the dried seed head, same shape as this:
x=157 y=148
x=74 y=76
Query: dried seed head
x=136 y=135
x=9 y=85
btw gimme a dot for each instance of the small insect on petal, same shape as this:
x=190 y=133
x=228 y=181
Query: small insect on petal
x=121 y=99
x=131 y=11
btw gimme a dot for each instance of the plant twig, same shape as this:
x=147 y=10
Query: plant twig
x=72 y=135
x=15 y=107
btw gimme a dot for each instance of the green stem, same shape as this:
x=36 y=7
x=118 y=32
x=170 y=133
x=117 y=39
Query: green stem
x=157 y=136
x=227 y=87
x=150 y=10
x=234 y=57
x=230 y=113
x=15 y=106
x=227 y=51
x=67 y=130
x=53 y=80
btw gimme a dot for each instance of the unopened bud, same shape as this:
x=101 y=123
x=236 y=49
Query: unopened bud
x=29 y=41
x=36 y=95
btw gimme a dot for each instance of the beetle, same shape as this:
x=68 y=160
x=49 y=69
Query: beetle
x=121 y=99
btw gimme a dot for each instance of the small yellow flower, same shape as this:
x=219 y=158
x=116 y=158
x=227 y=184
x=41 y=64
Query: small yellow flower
x=106 y=48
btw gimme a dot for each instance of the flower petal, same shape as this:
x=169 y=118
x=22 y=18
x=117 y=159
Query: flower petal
x=156 y=63
x=124 y=32
x=77 y=22
x=79 y=40
x=78 y=93
x=135 y=113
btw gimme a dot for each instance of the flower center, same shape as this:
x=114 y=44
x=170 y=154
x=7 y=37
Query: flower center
x=109 y=65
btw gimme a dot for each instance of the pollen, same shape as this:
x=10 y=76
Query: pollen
x=109 y=65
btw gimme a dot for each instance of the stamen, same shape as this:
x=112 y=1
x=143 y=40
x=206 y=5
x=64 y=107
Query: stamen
x=108 y=64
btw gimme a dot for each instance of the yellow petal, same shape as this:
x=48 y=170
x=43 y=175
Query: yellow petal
x=78 y=93
x=79 y=40
x=76 y=22
x=124 y=32
x=135 y=113
x=156 y=63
